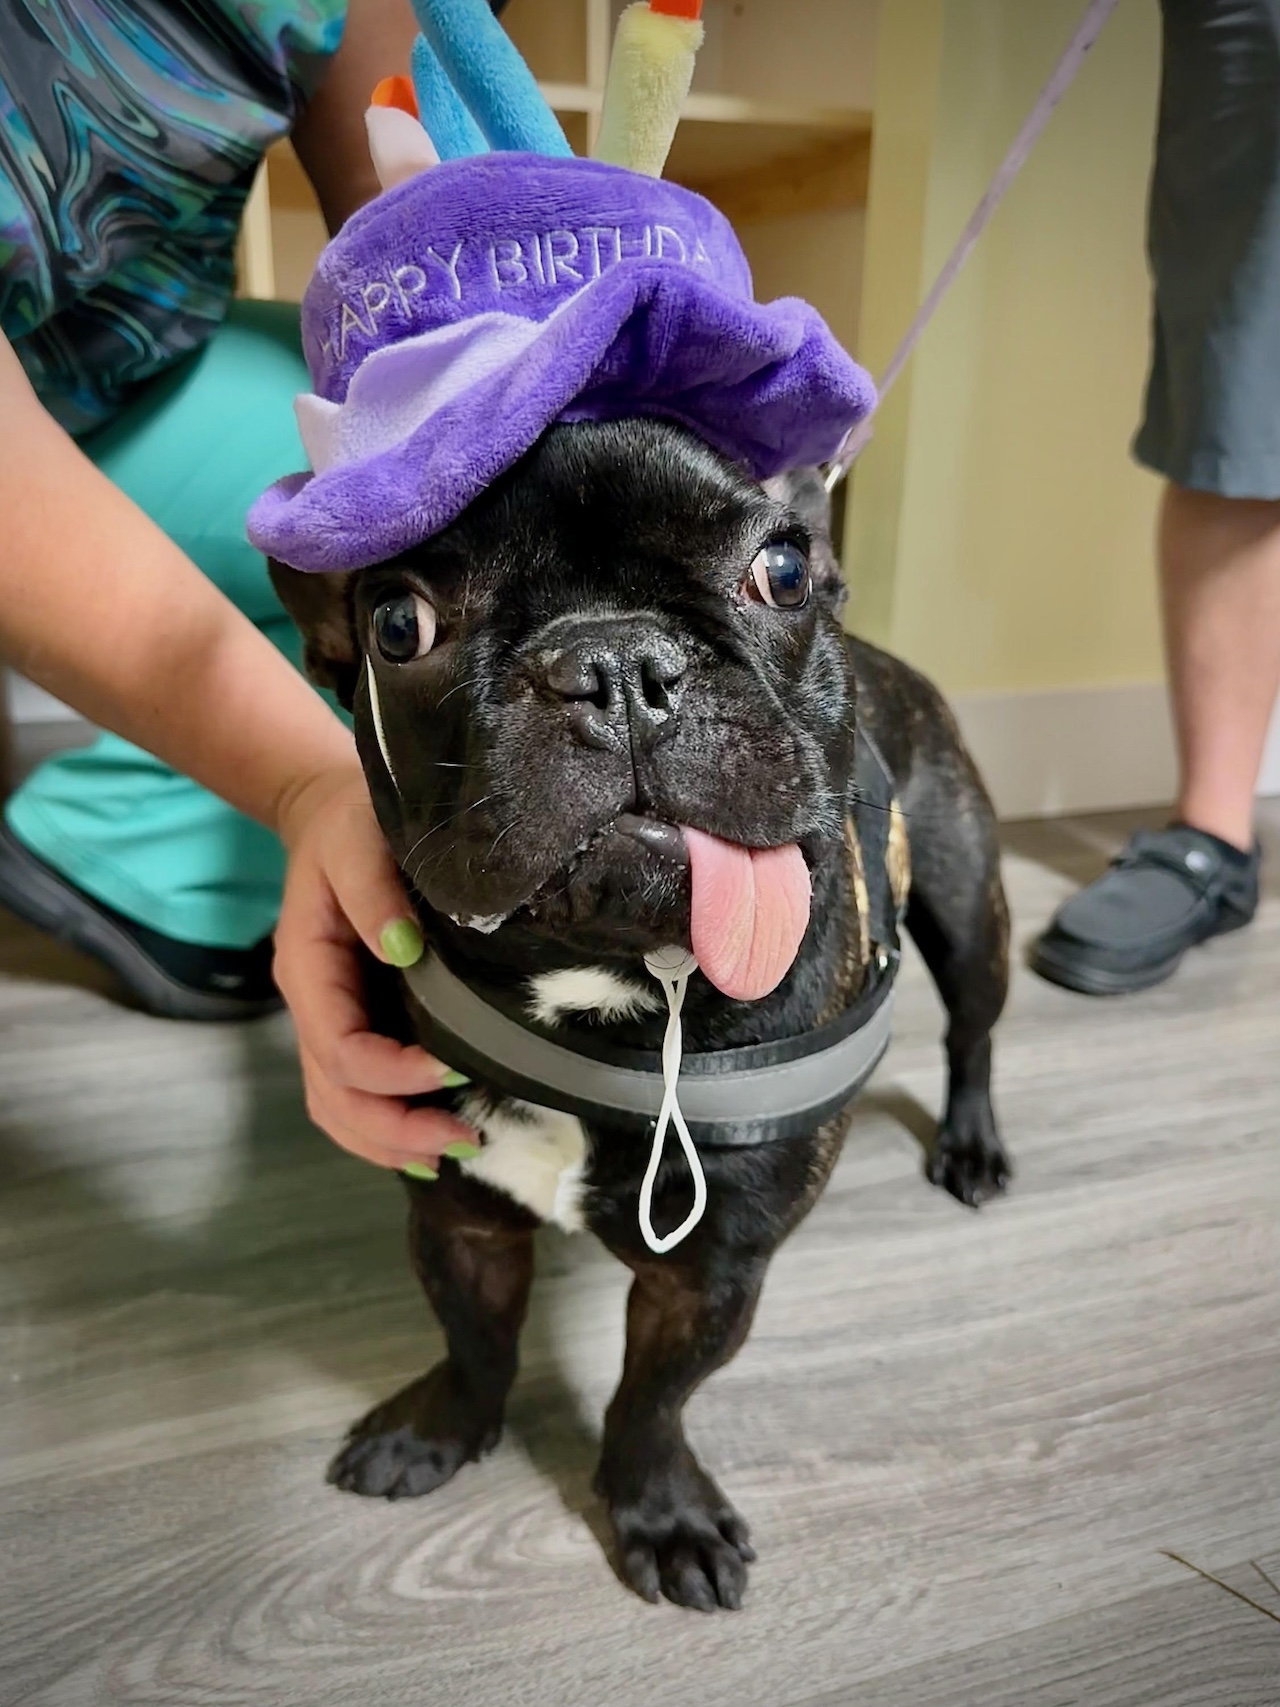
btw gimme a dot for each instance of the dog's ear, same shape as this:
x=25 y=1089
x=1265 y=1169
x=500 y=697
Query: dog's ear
x=804 y=491
x=323 y=607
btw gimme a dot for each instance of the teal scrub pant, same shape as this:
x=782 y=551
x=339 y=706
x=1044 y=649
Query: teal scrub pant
x=193 y=452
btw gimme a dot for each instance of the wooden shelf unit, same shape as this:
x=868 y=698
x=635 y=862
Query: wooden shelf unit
x=776 y=132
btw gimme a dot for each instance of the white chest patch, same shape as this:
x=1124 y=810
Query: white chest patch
x=588 y=989
x=535 y=1155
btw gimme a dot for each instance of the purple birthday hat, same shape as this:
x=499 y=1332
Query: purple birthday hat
x=482 y=299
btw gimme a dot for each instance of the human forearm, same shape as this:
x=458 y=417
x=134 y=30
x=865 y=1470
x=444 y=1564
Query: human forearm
x=98 y=606
x=330 y=136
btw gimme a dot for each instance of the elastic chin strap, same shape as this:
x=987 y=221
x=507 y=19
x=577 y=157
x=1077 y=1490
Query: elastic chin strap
x=672 y=967
x=375 y=707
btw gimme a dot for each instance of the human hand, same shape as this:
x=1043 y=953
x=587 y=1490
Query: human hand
x=342 y=889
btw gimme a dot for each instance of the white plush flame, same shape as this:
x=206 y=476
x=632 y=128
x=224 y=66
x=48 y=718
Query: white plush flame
x=399 y=145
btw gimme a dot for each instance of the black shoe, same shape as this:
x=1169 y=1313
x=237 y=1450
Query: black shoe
x=1168 y=890
x=175 y=980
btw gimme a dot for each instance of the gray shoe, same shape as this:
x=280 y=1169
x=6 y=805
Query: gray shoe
x=1168 y=890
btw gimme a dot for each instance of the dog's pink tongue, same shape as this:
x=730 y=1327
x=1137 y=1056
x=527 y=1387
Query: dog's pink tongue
x=749 y=914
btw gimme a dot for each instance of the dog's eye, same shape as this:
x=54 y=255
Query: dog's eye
x=404 y=628
x=780 y=574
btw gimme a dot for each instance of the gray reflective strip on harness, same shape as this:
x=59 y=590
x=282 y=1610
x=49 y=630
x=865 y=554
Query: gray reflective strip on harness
x=777 y=1092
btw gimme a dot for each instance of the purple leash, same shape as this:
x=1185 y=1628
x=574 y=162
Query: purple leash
x=1091 y=27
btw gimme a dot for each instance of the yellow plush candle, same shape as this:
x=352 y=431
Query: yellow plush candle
x=649 y=78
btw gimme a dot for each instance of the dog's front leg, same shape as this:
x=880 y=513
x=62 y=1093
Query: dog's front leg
x=475 y=1262
x=677 y=1534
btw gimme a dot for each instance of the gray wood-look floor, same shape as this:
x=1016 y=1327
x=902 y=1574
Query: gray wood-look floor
x=967 y=1443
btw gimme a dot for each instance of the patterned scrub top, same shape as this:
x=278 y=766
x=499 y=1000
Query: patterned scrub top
x=130 y=132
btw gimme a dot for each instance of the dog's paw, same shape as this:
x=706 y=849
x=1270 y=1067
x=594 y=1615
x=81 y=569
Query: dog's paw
x=968 y=1159
x=414 y=1443
x=679 y=1537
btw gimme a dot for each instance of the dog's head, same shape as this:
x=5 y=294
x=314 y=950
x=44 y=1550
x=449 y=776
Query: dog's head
x=623 y=641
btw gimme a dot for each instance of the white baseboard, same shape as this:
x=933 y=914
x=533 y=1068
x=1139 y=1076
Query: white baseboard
x=1081 y=749
x=30 y=704
x=1269 y=776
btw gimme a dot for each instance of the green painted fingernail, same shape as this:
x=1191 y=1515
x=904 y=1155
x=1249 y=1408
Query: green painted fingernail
x=419 y=1170
x=402 y=943
x=462 y=1151
x=452 y=1080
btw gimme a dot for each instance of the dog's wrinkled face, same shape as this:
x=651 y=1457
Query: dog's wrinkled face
x=624 y=640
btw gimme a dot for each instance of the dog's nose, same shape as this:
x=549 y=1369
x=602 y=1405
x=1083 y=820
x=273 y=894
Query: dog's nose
x=622 y=682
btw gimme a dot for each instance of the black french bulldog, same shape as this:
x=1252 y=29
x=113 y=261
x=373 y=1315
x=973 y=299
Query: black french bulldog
x=623 y=637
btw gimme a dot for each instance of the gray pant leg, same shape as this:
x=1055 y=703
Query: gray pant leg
x=1213 y=398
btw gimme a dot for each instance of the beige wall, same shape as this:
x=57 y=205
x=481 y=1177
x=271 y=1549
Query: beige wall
x=1000 y=536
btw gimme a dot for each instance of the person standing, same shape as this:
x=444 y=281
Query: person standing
x=1212 y=430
